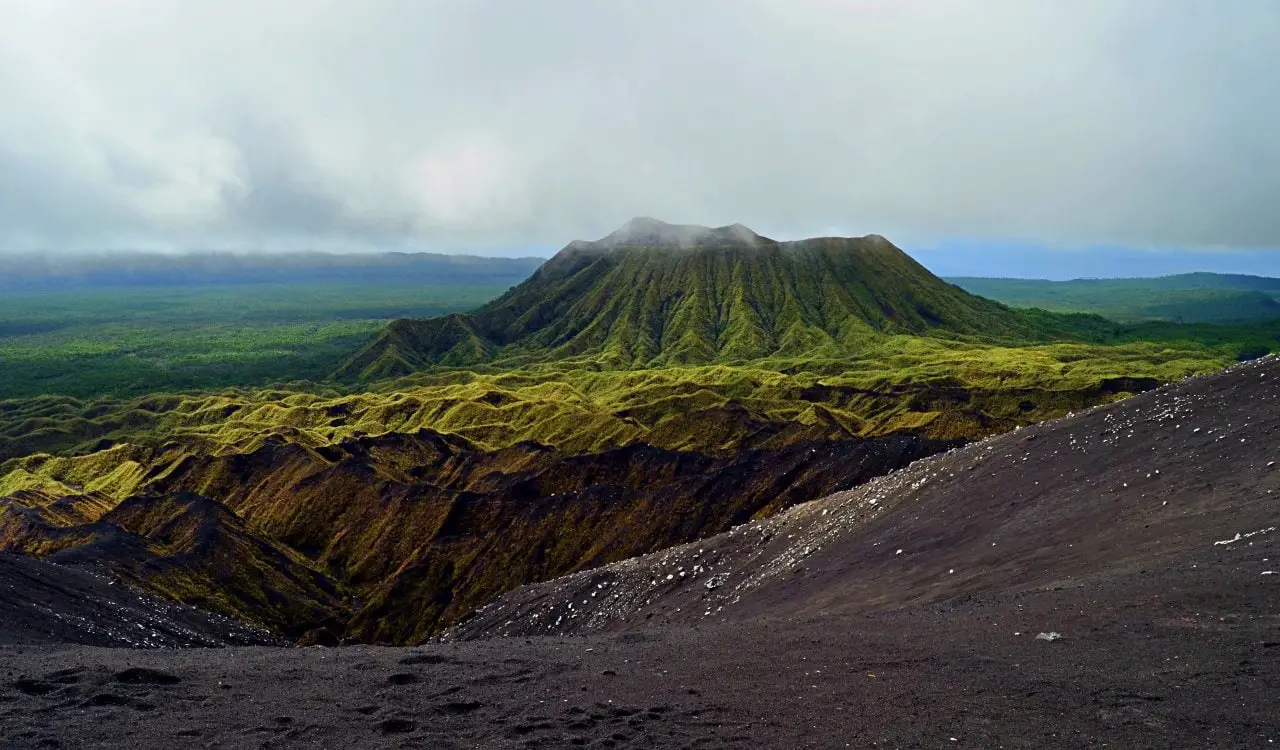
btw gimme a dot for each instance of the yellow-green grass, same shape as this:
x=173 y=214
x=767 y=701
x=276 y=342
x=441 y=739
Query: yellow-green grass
x=943 y=389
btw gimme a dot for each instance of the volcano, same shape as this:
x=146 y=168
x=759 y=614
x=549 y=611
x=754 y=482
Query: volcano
x=653 y=294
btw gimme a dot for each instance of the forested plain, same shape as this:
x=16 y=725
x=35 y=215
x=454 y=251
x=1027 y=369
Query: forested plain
x=1182 y=298
x=130 y=341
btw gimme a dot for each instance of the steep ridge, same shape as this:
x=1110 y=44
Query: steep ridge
x=1180 y=483
x=388 y=538
x=654 y=294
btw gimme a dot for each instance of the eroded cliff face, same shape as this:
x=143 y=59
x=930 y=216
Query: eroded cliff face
x=390 y=538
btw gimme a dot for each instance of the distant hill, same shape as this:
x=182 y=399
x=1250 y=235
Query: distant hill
x=656 y=294
x=1184 y=298
x=30 y=272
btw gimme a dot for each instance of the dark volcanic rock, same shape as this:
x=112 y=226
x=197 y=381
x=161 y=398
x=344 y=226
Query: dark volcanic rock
x=188 y=548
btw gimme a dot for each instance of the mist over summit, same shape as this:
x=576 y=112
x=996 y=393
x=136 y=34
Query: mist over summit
x=644 y=231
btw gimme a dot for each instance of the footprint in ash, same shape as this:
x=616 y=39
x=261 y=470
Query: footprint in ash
x=111 y=700
x=410 y=661
x=397 y=726
x=48 y=683
x=144 y=676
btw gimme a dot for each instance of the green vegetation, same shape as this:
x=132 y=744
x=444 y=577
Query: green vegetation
x=633 y=393
x=1185 y=298
x=639 y=338
x=944 y=389
x=123 y=342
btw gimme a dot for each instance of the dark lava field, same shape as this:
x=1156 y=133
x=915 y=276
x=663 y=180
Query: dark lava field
x=1109 y=579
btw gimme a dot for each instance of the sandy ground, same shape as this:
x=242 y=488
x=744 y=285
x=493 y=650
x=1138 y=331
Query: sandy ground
x=1140 y=540
x=1131 y=670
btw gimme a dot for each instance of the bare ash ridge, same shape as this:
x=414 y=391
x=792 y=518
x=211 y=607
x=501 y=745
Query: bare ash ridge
x=1154 y=481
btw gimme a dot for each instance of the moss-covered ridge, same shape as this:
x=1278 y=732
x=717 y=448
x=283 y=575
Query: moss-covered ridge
x=943 y=389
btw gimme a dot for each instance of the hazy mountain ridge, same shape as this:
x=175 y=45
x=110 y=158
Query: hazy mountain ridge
x=1181 y=298
x=132 y=270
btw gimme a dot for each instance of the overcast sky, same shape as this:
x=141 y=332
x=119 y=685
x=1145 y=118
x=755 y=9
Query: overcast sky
x=475 y=125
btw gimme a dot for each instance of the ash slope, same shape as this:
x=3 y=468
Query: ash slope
x=1147 y=486
x=42 y=603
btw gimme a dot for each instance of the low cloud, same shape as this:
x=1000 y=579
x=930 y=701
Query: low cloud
x=472 y=124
